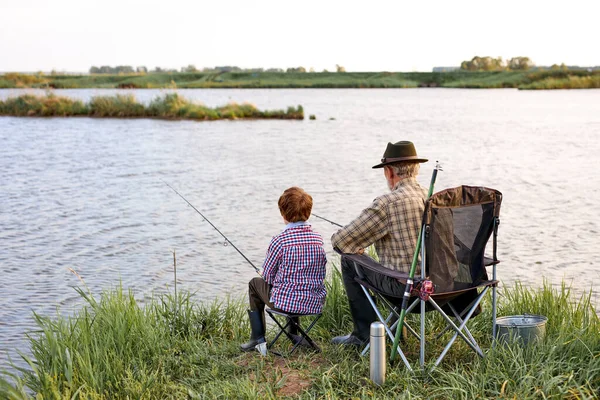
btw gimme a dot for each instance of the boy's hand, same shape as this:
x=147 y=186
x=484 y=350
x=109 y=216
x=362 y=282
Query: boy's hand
x=360 y=251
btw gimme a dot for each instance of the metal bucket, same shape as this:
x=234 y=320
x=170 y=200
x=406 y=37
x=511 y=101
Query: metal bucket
x=524 y=329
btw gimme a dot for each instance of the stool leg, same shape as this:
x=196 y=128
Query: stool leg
x=293 y=328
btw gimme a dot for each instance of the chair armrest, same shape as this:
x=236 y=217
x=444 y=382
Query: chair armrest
x=367 y=262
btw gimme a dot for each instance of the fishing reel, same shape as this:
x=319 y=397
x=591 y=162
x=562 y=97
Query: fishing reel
x=426 y=289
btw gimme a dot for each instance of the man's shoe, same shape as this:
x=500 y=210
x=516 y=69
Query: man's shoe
x=348 y=340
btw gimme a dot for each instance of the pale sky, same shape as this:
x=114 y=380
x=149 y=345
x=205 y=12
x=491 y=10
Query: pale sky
x=72 y=35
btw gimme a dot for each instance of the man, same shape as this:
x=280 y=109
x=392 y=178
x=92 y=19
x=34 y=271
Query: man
x=392 y=223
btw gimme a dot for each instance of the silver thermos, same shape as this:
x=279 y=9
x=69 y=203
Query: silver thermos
x=377 y=356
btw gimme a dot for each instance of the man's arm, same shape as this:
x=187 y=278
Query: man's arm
x=367 y=228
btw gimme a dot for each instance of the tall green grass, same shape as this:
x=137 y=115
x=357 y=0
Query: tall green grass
x=169 y=106
x=172 y=348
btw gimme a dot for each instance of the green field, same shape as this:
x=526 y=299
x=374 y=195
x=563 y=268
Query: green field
x=571 y=79
x=175 y=347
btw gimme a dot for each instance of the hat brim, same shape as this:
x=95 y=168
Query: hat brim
x=403 y=159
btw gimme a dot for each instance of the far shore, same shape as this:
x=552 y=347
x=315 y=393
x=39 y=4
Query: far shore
x=525 y=80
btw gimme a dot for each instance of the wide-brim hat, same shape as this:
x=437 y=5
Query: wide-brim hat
x=403 y=151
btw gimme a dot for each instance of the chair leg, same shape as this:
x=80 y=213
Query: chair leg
x=467 y=331
x=458 y=330
x=388 y=330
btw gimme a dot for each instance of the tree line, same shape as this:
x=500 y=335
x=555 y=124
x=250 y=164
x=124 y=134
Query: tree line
x=128 y=69
x=497 y=64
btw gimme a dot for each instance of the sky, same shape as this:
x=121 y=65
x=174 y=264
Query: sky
x=398 y=35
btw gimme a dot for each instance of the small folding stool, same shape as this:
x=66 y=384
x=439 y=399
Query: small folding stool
x=292 y=319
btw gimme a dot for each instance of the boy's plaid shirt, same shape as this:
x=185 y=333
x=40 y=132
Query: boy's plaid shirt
x=295 y=267
x=391 y=222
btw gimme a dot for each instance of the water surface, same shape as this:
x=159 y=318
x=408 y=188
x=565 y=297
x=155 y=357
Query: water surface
x=86 y=194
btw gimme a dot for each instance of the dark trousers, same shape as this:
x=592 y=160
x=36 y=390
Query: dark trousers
x=259 y=293
x=360 y=308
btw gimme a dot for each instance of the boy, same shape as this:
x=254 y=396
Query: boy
x=293 y=271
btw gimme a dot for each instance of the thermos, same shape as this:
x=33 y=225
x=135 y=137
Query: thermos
x=377 y=353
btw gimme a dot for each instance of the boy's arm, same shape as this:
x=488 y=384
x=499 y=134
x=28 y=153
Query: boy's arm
x=272 y=261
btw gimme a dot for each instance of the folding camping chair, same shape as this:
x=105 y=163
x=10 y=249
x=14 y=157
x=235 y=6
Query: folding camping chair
x=292 y=320
x=457 y=224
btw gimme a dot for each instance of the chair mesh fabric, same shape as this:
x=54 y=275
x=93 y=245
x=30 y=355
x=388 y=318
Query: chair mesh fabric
x=456 y=236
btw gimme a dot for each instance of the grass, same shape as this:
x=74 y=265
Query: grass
x=454 y=79
x=175 y=348
x=169 y=106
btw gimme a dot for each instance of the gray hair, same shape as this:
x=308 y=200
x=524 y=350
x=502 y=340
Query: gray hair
x=405 y=170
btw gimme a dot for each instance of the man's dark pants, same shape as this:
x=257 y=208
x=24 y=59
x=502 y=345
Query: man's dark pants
x=360 y=308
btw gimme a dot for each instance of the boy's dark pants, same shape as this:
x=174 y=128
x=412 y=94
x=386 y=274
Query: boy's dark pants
x=259 y=293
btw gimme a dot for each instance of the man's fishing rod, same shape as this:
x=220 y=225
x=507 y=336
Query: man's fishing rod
x=211 y=224
x=325 y=219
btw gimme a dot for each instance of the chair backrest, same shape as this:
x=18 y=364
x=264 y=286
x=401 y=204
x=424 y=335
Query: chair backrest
x=458 y=224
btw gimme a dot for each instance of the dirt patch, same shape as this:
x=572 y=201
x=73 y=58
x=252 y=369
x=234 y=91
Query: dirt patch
x=282 y=373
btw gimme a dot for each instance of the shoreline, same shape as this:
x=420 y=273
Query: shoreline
x=524 y=80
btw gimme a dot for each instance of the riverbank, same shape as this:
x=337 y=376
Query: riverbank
x=170 y=106
x=570 y=79
x=176 y=347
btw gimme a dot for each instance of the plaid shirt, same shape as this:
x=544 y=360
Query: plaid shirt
x=295 y=267
x=392 y=222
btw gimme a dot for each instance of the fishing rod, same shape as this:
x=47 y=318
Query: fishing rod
x=411 y=274
x=325 y=219
x=211 y=224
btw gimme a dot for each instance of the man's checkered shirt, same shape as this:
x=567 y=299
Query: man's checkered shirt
x=391 y=222
x=295 y=267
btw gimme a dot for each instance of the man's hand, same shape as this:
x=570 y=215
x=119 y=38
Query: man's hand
x=360 y=251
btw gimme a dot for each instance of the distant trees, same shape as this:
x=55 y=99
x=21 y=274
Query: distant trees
x=497 y=64
x=561 y=67
x=483 y=64
x=299 y=69
x=189 y=68
x=126 y=69
x=520 y=63
x=105 y=69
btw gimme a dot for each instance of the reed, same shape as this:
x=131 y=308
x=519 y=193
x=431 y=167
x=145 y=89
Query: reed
x=169 y=106
x=42 y=106
x=177 y=347
x=570 y=82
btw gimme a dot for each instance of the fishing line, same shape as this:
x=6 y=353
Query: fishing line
x=325 y=219
x=211 y=224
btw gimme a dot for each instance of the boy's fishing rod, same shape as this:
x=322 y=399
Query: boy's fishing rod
x=325 y=219
x=211 y=224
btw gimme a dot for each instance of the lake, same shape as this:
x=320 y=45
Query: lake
x=86 y=194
